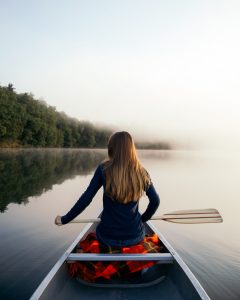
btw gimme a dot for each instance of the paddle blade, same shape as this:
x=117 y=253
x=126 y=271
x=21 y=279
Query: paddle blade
x=195 y=220
x=195 y=216
x=194 y=211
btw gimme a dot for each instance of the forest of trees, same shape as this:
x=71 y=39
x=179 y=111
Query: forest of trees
x=27 y=122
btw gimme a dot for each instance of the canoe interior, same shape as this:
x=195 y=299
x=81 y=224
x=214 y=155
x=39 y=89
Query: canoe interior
x=162 y=281
x=63 y=287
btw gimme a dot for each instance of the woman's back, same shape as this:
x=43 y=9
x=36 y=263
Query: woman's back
x=120 y=222
x=124 y=181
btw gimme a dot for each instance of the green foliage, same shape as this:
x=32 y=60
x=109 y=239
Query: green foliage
x=25 y=121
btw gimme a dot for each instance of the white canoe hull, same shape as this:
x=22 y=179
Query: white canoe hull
x=177 y=283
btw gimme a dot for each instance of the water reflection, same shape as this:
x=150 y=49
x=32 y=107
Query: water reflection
x=184 y=180
x=27 y=173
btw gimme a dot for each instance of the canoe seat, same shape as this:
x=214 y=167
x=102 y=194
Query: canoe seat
x=164 y=258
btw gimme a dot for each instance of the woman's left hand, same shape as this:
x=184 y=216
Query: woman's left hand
x=58 y=220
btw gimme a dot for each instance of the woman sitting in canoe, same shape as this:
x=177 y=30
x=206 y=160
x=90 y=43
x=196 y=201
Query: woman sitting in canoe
x=124 y=181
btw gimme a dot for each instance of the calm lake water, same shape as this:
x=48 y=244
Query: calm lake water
x=36 y=185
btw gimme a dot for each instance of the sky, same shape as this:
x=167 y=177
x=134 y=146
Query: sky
x=163 y=70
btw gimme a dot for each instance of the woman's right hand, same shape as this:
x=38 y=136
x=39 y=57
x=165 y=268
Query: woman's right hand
x=58 y=220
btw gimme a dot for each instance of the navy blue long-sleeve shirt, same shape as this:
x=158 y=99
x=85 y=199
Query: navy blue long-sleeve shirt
x=121 y=224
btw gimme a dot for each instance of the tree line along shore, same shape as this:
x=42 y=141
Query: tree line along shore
x=29 y=122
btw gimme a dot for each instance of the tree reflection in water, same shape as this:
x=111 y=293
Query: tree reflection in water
x=25 y=173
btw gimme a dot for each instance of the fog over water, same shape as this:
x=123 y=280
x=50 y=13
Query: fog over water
x=160 y=69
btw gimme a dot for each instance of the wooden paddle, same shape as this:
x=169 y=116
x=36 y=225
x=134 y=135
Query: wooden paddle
x=195 y=216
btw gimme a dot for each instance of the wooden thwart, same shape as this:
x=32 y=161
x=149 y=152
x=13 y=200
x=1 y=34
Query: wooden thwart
x=161 y=257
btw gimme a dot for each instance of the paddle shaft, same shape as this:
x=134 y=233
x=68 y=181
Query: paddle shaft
x=185 y=217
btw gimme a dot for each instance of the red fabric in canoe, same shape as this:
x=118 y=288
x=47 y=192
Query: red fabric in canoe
x=92 y=271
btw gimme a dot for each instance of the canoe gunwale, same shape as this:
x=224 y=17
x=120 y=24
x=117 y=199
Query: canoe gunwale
x=43 y=285
x=202 y=293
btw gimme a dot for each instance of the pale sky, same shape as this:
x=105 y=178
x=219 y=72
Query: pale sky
x=161 y=69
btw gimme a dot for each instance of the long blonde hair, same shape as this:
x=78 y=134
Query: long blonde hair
x=126 y=179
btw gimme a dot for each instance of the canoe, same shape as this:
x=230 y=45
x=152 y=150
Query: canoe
x=169 y=278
